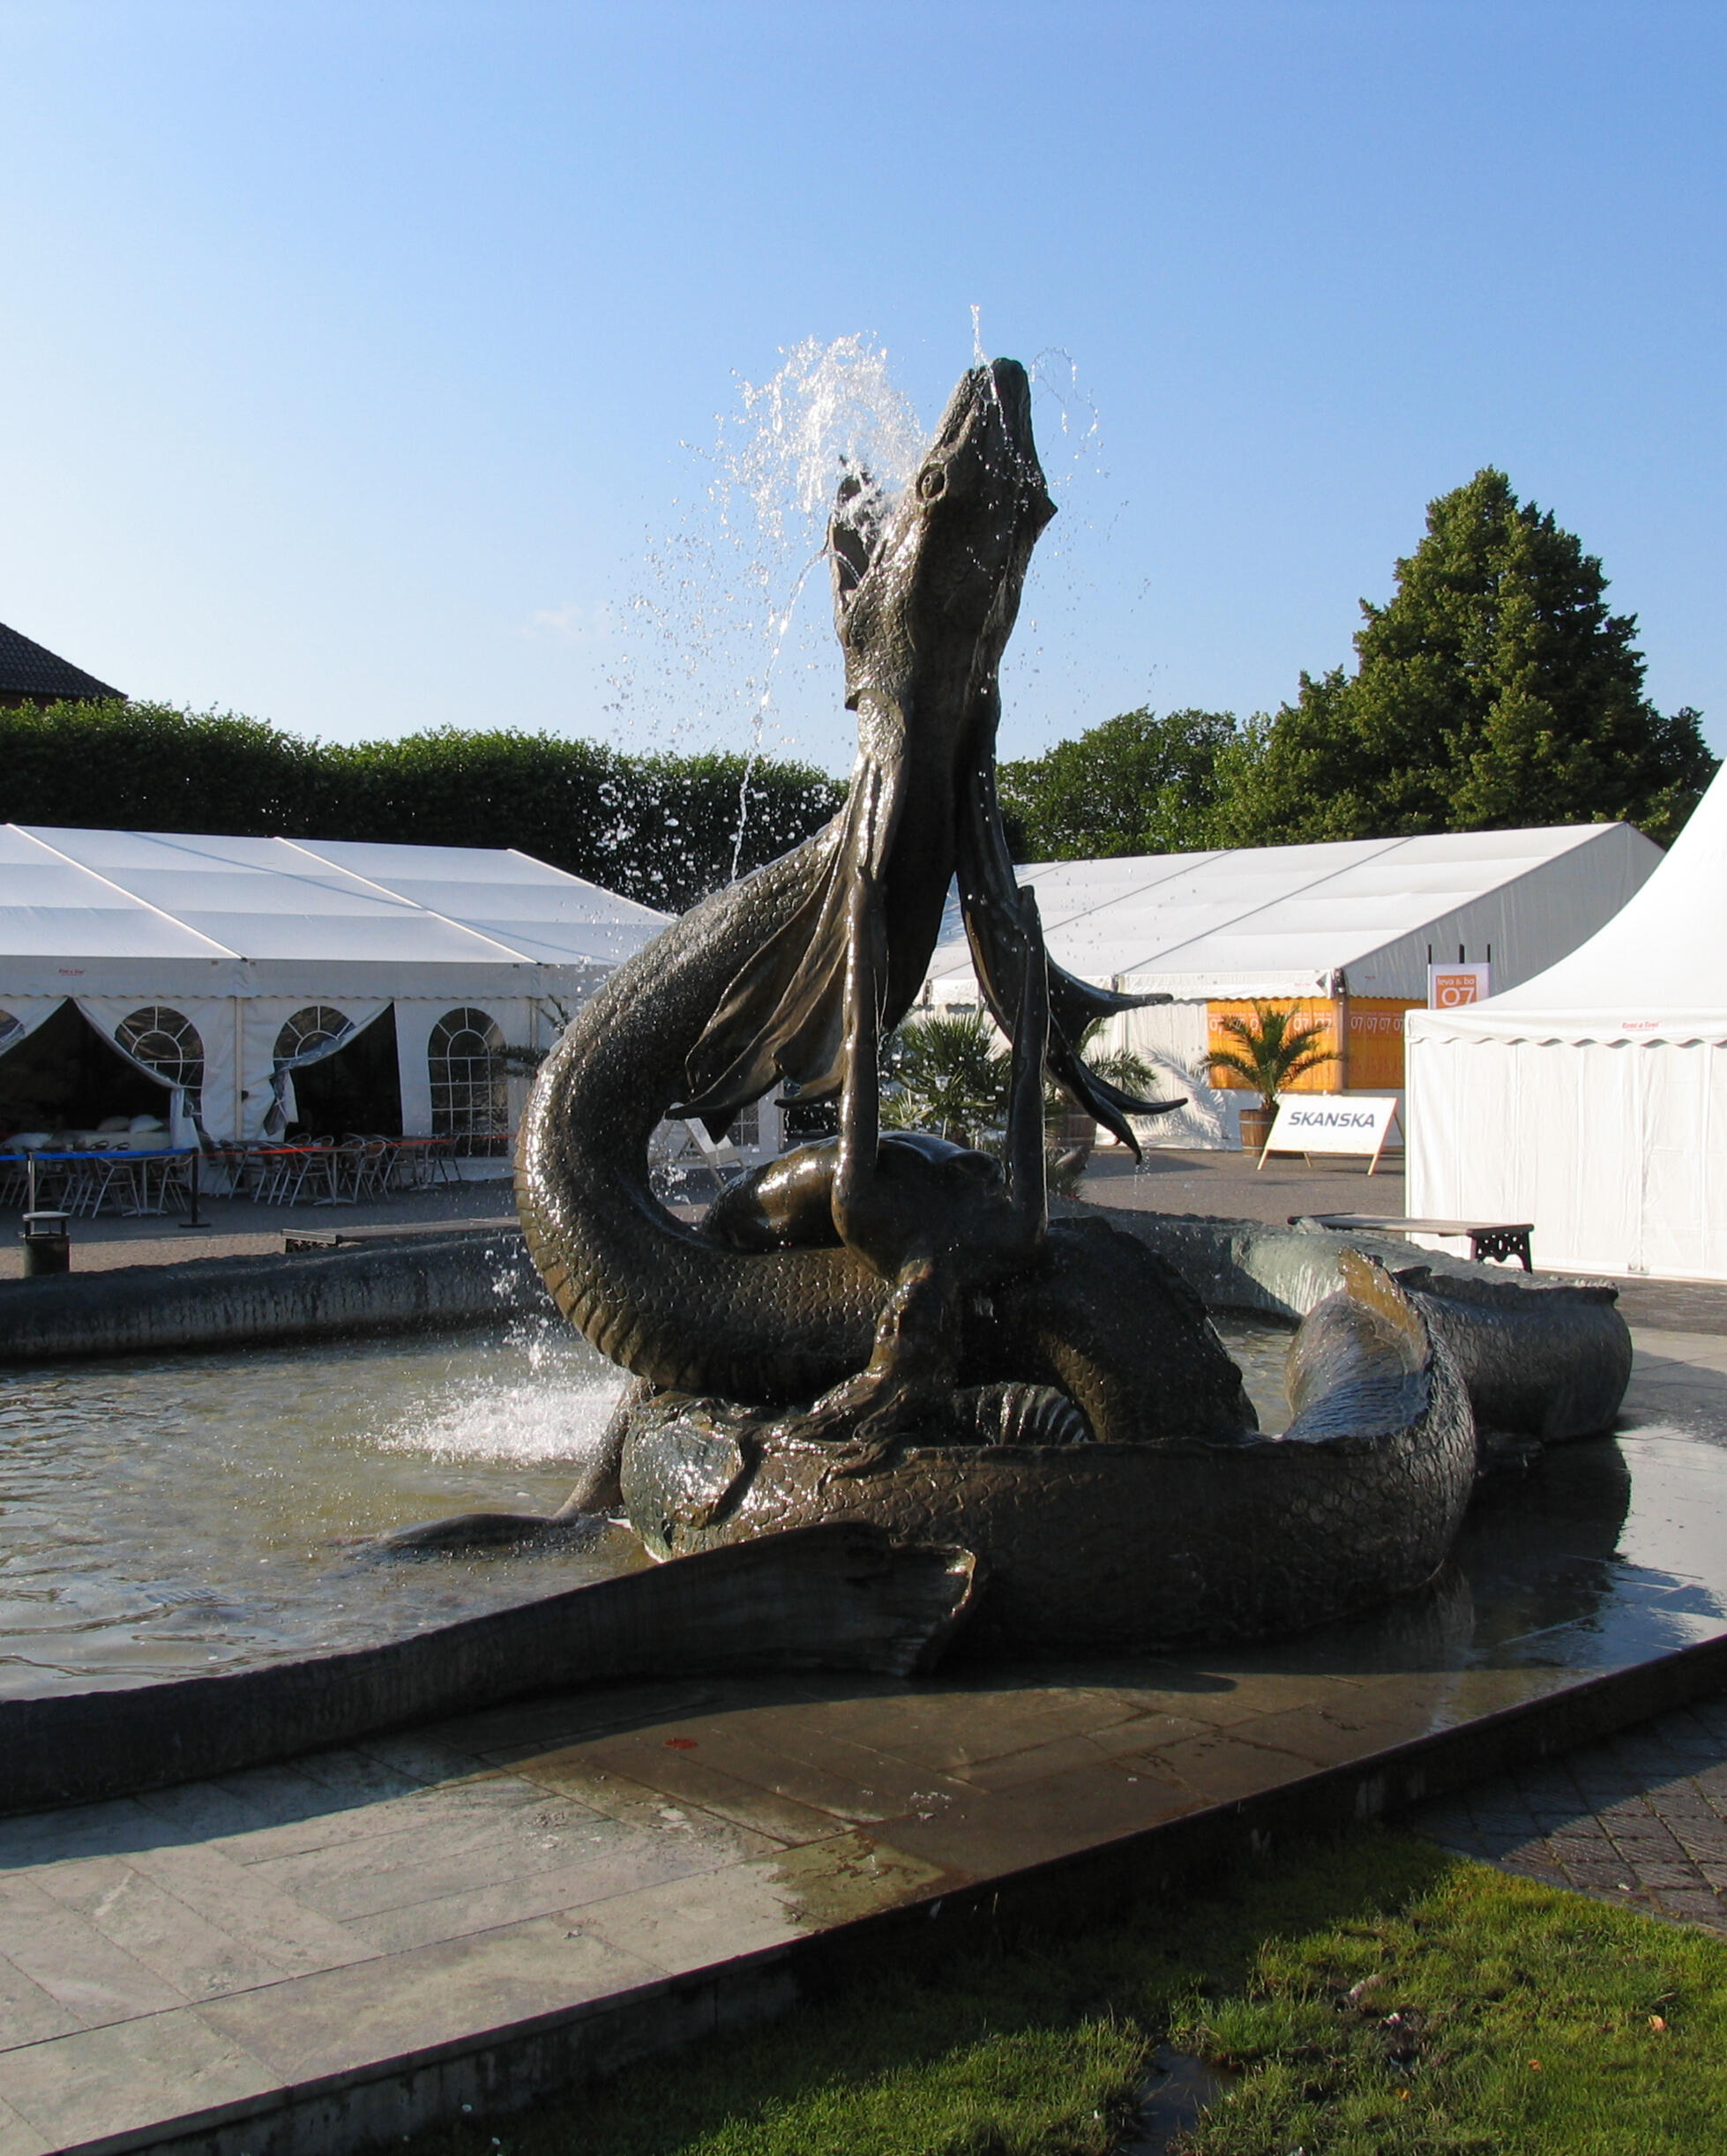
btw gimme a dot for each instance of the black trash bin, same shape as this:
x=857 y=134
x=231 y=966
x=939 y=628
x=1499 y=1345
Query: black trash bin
x=48 y=1243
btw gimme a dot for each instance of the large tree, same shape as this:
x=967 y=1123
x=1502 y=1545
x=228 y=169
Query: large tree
x=1494 y=690
x=1137 y=784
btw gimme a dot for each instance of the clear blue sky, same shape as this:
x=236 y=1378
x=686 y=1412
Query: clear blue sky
x=351 y=350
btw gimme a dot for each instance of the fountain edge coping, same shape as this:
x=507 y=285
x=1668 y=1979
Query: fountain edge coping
x=241 y=1301
x=495 y=2070
x=427 y=1281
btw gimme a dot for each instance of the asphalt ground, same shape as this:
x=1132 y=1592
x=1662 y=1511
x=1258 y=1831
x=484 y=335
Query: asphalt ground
x=238 y=1229
x=1225 y=1183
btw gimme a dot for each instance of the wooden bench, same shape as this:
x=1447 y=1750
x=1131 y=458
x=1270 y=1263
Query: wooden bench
x=1487 y=1238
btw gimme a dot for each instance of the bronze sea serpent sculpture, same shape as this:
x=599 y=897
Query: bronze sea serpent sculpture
x=887 y=1328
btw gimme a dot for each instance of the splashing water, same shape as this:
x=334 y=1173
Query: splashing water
x=829 y=406
x=538 y=1418
x=727 y=647
x=162 y=1515
x=543 y=1396
x=1056 y=373
x=721 y=631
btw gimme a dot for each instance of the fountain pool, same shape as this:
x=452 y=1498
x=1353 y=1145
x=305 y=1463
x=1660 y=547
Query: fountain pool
x=175 y=1515
x=172 y=1515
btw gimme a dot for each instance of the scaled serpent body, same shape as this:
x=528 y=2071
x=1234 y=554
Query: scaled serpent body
x=650 y=1293
x=770 y=1327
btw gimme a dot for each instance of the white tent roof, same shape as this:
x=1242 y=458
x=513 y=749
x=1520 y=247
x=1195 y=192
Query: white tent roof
x=109 y=910
x=1657 y=971
x=1356 y=915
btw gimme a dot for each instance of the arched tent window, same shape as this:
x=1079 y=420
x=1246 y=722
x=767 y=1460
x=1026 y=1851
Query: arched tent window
x=9 y=1026
x=164 y=1041
x=470 y=1097
x=308 y=1037
x=309 y=1029
x=165 y=1044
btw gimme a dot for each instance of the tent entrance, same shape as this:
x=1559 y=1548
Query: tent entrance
x=355 y=1090
x=67 y=1076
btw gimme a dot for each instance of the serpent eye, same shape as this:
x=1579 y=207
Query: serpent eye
x=931 y=484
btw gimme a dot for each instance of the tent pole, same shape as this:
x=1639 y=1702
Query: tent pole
x=193 y=1219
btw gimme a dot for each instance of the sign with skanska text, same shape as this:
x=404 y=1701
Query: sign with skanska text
x=1333 y=1122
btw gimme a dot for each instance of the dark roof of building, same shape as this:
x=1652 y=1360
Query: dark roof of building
x=28 y=669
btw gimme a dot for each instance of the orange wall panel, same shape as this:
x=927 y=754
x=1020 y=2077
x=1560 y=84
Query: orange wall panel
x=1322 y=1012
x=1376 y=1041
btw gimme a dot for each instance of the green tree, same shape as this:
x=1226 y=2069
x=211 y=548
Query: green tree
x=1137 y=784
x=1494 y=690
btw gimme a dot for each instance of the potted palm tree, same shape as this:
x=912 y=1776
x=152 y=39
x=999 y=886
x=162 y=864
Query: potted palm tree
x=946 y=1073
x=1271 y=1051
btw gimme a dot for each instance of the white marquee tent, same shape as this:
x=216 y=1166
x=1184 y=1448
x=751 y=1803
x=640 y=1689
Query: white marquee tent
x=1350 y=923
x=236 y=945
x=1592 y=1099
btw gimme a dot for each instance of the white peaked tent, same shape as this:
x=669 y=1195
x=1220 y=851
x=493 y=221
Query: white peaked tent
x=1345 y=929
x=1593 y=1099
x=237 y=945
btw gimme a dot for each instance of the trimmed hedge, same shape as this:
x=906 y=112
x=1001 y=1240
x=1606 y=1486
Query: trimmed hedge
x=662 y=829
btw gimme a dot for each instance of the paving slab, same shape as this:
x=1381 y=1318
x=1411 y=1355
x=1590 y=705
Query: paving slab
x=1638 y=1819
x=318 y=1955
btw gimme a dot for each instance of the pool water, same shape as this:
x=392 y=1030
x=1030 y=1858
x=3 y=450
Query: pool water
x=172 y=1515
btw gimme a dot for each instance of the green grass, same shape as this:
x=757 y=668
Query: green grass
x=1458 y=2010
x=1376 y=1997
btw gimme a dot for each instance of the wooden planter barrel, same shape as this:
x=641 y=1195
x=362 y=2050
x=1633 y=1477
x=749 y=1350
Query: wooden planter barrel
x=1256 y=1128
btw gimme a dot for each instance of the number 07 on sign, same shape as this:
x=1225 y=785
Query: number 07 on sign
x=1333 y=1122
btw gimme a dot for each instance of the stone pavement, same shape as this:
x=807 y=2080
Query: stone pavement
x=316 y=1956
x=1639 y=1819
x=374 y=1933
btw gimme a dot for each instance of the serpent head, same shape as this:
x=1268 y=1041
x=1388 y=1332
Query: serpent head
x=936 y=577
